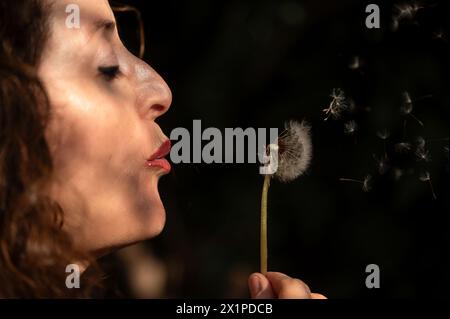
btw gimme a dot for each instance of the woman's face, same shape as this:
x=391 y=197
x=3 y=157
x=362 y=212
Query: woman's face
x=104 y=105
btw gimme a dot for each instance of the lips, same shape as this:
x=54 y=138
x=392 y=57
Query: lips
x=157 y=159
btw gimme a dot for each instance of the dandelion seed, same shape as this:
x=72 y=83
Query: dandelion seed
x=383 y=134
x=337 y=105
x=420 y=141
x=421 y=152
x=425 y=177
x=294 y=156
x=405 y=12
x=423 y=155
x=439 y=35
x=355 y=63
x=350 y=127
x=407 y=107
x=408 y=11
x=366 y=182
x=402 y=147
x=407 y=103
x=382 y=164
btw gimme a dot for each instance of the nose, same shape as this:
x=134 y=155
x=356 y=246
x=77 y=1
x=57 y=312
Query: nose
x=153 y=95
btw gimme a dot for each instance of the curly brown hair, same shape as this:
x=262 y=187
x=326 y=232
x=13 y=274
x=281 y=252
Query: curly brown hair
x=34 y=249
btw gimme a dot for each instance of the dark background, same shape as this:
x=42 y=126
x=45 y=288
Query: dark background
x=259 y=63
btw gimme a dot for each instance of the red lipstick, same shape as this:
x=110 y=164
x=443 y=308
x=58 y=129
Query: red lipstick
x=158 y=160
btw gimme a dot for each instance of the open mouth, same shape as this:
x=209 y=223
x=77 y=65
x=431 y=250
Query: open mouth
x=158 y=160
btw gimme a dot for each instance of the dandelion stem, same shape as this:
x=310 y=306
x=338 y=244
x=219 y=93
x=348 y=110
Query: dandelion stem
x=263 y=239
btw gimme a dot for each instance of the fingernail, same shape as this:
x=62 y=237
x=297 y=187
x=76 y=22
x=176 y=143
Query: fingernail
x=255 y=285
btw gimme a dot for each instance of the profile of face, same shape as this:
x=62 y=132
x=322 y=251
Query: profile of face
x=102 y=132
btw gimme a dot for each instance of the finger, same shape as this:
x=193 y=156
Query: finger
x=317 y=296
x=260 y=287
x=286 y=287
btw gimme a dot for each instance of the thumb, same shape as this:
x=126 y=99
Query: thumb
x=260 y=287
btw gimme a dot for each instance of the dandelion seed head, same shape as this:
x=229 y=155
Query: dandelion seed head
x=295 y=151
x=350 y=127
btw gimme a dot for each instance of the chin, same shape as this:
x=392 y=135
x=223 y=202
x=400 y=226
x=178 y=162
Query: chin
x=144 y=212
x=150 y=225
x=155 y=217
x=156 y=223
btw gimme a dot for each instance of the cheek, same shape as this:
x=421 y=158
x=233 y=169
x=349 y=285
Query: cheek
x=86 y=130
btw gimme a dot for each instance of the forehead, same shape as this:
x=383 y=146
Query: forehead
x=91 y=14
x=71 y=42
x=67 y=47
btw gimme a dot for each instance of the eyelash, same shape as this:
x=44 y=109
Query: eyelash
x=109 y=72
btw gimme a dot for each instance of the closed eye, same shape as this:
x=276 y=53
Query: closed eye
x=109 y=72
